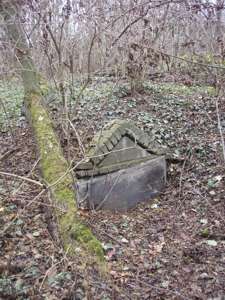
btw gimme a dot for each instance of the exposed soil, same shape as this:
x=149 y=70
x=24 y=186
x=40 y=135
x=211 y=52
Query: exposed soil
x=170 y=248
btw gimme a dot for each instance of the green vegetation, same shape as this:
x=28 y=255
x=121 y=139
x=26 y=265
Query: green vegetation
x=11 y=99
x=180 y=89
x=11 y=95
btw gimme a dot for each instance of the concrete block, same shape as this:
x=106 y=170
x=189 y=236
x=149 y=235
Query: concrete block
x=124 y=189
x=124 y=169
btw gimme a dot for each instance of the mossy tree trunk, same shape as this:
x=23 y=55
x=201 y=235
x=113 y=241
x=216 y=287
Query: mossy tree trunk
x=53 y=165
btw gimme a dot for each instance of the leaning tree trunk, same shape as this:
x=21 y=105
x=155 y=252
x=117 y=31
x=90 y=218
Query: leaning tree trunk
x=53 y=165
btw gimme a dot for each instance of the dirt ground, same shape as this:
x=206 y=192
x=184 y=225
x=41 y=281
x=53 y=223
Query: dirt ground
x=170 y=248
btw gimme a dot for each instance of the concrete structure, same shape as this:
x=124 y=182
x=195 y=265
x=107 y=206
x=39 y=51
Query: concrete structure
x=124 y=167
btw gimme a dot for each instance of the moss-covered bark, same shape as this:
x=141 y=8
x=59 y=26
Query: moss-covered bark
x=53 y=165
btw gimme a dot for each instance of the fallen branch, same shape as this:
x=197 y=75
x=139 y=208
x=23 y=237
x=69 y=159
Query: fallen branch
x=8 y=153
x=22 y=177
x=220 y=129
x=73 y=233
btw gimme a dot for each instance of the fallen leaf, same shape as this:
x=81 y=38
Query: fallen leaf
x=212 y=243
x=155 y=205
x=204 y=221
x=36 y=233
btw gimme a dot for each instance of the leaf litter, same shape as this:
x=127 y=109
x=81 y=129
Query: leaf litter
x=172 y=248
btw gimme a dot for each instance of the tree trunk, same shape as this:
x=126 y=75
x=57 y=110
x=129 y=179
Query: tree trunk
x=219 y=11
x=53 y=165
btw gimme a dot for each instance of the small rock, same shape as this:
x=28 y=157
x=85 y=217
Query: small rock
x=22 y=119
x=36 y=233
x=125 y=241
x=204 y=221
x=212 y=243
x=212 y=193
x=204 y=276
x=165 y=284
x=155 y=205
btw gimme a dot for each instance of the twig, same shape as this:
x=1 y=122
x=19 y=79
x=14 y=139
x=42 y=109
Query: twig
x=28 y=201
x=136 y=6
x=34 y=27
x=30 y=173
x=8 y=153
x=7 y=117
x=22 y=177
x=195 y=63
x=67 y=171
x=220 y=129
x=88 y=66
x=170 y=291
x=53 y=266
x=19 y=214
x=106 y=197
x=140 y=17
x=78 y=137
x=127 y=27
x=57 y=48
x=112 y=238
x=89 y=53
x=181 y=177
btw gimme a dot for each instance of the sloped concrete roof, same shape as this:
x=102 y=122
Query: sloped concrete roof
x=106 y=141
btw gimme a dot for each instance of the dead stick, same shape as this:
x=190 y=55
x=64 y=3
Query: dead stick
x=8 y=153
x=22 y=177
x=220 y=129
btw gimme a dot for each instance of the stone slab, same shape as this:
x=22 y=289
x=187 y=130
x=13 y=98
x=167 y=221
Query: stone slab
x=125 y=150
x=123 y=189
x=118 y=134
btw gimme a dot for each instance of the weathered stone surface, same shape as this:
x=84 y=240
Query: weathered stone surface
x=124 y=166
x=125 y=150
x=105 y=141
x=124 y=189
x=106 y=145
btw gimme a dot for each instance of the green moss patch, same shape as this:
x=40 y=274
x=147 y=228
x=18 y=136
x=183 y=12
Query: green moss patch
x=55 y=172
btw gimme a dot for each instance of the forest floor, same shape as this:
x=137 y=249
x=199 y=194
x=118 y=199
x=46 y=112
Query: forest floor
x=170 y=248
